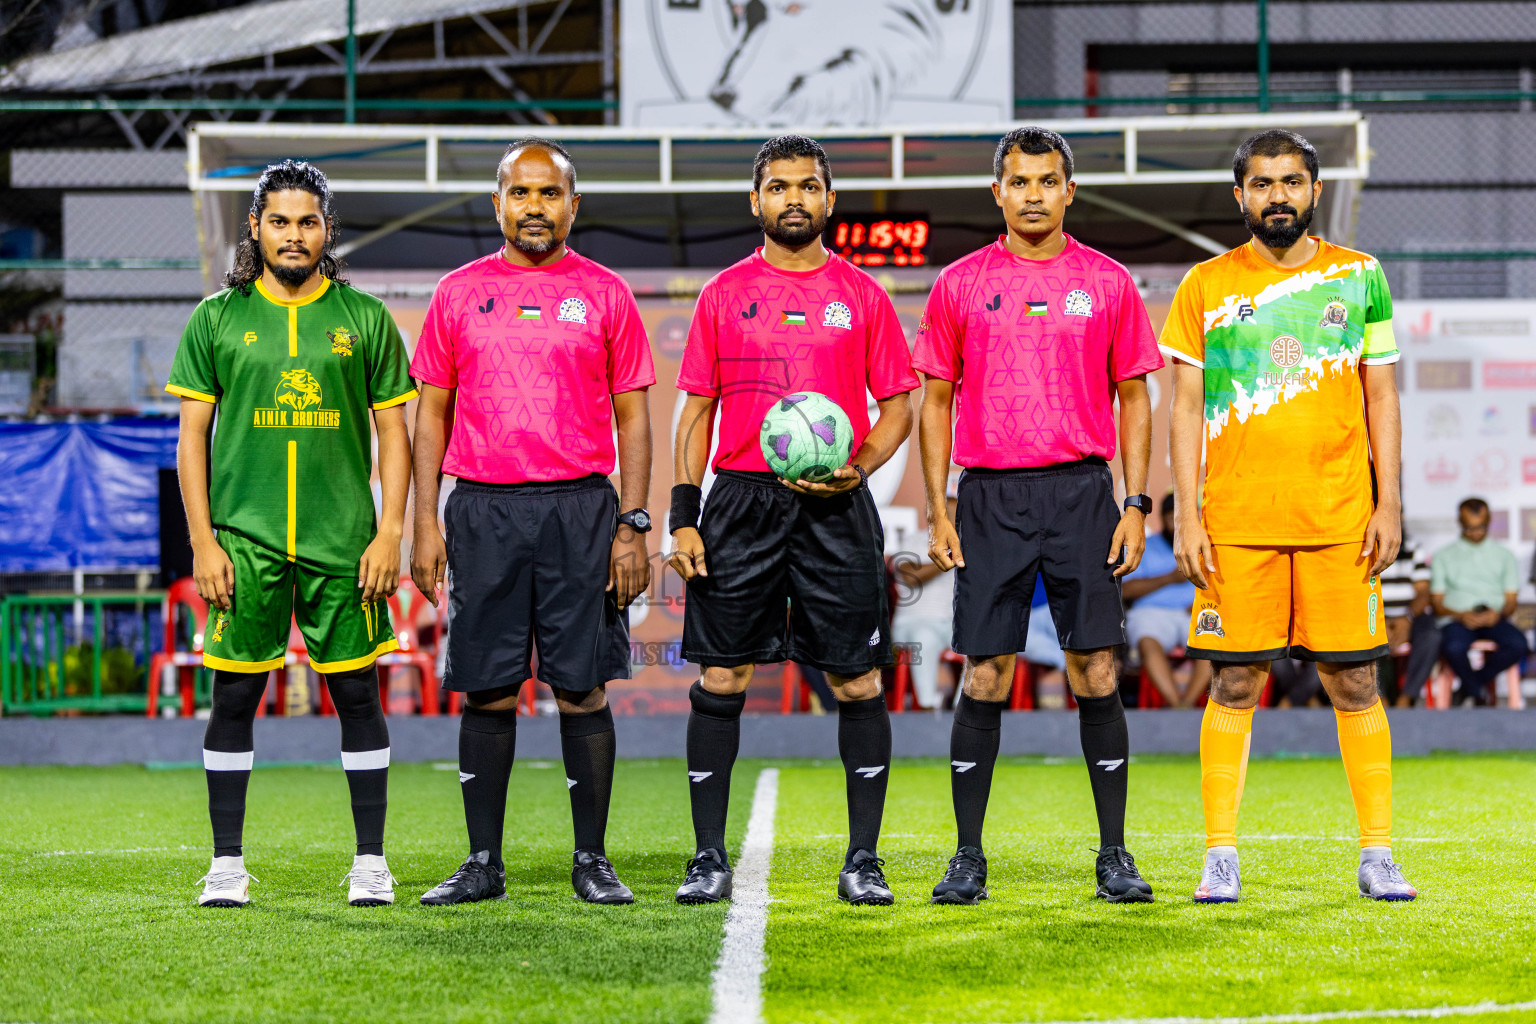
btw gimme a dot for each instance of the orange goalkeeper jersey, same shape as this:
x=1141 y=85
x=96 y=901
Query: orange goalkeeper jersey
x=1287 y=459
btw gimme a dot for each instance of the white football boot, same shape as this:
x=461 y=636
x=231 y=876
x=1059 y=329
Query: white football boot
x=1381 y=878
x=227 y=883
x=369 y=883
x=1219 y=879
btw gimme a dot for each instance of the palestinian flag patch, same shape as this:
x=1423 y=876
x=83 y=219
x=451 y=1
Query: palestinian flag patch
x=794 y=318
x=527 y=312
x=1036 y=309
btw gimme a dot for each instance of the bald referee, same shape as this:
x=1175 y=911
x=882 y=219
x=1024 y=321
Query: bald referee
x=529 y=359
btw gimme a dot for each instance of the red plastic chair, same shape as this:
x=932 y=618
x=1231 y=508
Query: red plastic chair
x=181 y=595
x=405 y=606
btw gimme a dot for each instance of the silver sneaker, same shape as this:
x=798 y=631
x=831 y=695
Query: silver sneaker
x=1219 y=880
x=227 y=883
x=1382 y=879
x=369 y=883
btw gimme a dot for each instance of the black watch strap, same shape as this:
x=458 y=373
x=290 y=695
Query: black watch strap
x=637 y=519
x=1140 y=502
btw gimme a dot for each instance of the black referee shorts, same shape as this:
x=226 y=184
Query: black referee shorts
x=1015 y=523
x=528 y=564
x=791 y=577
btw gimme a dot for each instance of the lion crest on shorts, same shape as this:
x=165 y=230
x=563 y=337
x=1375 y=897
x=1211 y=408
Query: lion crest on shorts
x=1209 y=621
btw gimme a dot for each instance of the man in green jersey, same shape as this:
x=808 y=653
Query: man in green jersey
x=291 y=359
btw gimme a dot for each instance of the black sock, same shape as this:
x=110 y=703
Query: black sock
x=228 y=751
x=1107 y=749
x=487 y=741
x=973 y=743
x=714 y=735
x=864 y=741
x=364 y=753
x=587 y=742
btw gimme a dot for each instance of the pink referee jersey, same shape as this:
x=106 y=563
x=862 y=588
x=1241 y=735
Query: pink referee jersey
x=1035 y=348
x=760 y=333
x=535 y=354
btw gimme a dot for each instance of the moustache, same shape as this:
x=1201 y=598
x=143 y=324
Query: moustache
x=526 y=221
x=301 y=250
x=1279 y=208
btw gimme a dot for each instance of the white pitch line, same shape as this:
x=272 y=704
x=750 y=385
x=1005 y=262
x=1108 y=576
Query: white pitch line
x=738 y=980
x=1472 y=1010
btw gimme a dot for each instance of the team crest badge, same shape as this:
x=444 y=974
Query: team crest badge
x=572 y=311
x=1209 y=621
x=1078 y=303
x=1335 y=314
x=298 y=390
x=837 y=314
x=341 y=340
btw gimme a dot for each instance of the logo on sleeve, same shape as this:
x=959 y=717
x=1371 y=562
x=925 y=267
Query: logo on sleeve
x=923 y=325
x=1335 y=314
x=1078 y=303
x=838 y=315
x=573 y=311
x=341 y=340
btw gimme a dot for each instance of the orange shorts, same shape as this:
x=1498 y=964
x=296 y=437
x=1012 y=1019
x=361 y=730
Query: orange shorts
x=1299 y=602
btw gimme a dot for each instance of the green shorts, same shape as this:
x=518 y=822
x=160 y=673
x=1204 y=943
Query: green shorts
x=341 y=631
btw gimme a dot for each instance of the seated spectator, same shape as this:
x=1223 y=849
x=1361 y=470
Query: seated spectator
x=1405 y=603
x=1473 y=585
x=1158 y=619
x=924 y=616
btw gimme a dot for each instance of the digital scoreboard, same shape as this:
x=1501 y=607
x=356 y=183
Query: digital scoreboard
x=881 y=239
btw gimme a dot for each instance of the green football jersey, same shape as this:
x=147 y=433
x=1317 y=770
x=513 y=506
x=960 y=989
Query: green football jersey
x=291 y=453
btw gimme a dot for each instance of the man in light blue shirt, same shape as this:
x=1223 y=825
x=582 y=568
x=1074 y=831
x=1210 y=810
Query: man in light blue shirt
x=1474 y=583
x=1158 y=619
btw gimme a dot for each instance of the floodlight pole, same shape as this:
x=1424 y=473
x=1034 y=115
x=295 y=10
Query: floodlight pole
x=351 y=112
x=1263 y=18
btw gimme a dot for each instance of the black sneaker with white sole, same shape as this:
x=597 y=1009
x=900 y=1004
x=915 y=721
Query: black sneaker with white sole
x=965 y=880
x=708 y=879
x=1119 y=881
x=593 y=878
x=862 y=883
x=475 y=880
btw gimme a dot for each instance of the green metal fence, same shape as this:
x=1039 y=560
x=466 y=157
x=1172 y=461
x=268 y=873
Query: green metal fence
x=55 y=654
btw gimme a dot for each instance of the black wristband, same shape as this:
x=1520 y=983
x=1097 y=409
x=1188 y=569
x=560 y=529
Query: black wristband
x=863 y=476
x=686 y=499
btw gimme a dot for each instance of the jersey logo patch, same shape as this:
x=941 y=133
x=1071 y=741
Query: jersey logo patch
x=341 y=340
x=293 y=404
x=298 y=390
x=223 y=620
x=922 y=322
x=838 y=315
x=997 y=300
x=1335 y=314
x=1209 y=621
x=794 y=318
x=750 y=312
x=1245 y=311
x=1078 y=303
x=572 y=311
x=490 y=304
x=1037 y=309
x=527 y=312
x=1285 y=351
x=250 y=336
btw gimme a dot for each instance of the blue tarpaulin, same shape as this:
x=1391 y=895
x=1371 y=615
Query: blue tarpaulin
x=82 y=494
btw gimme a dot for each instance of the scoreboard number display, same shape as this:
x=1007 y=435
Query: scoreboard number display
x=881 y=239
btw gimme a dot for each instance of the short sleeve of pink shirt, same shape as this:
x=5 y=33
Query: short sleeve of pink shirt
x=760 y=332
x=535 y=355
x=1035 y=349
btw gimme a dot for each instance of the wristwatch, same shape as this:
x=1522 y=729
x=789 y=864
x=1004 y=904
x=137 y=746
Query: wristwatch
x=1140 y=502
x=637 y=519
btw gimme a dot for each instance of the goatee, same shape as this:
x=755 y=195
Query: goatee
x=1284 y=235
x=793 y=236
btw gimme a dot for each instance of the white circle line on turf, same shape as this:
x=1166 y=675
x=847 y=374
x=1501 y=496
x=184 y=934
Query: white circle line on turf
x=1471 y=1010
x=738 y=980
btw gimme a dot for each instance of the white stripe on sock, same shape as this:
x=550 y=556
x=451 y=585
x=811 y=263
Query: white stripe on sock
x=365 y=760
x=228 y=761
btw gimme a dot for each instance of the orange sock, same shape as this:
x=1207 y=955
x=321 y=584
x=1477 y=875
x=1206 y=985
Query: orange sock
x=1224 y=737
x=1366 y=744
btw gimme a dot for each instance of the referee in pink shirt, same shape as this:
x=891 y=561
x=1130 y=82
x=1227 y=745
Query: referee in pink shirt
x=529 y=358
x=1025 y=345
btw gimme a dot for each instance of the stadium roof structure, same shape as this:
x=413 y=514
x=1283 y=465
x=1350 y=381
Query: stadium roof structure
x=189 y=51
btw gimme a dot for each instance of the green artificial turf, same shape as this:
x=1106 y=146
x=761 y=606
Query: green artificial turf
x=98 y=871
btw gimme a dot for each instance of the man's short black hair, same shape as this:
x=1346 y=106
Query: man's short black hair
x=788 y=147
x=1273 y=142
x=1034 y=142
x=549 y=146
x=1472 y=507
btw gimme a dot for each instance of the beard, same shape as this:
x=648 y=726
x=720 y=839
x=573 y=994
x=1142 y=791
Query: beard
x=289 y=274
x=551 y=240
x=793 y=236
x=1280 y=236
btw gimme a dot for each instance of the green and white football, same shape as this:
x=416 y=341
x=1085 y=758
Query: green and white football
x=806 y=436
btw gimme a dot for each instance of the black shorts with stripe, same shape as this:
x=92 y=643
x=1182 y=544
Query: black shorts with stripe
x=528 y=567
x=792 y=577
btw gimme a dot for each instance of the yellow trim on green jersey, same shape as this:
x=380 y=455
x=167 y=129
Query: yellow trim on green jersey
x=385 y=647
x=228 y=665
x=176 y=389
x=325 y=283
x=399 y=400
x=1380 y=345
x=293 y=499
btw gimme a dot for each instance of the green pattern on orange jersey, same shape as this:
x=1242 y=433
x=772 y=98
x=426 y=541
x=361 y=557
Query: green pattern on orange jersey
x=294 y=381
x=1287 y=458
